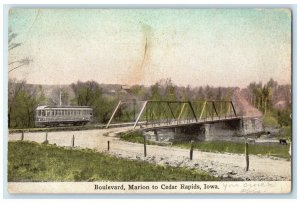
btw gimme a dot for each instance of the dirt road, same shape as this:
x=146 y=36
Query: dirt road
x=221 y=165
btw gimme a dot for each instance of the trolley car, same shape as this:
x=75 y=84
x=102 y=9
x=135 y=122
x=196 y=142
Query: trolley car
x=62 y=115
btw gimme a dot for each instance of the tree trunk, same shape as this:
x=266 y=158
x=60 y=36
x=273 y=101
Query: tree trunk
x=265 y=106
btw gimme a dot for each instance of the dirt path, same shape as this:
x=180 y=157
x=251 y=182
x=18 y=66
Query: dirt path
x=223 y=165
x=243 y=107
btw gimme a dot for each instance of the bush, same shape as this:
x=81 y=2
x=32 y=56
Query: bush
x=270 y=120
x=284 y=118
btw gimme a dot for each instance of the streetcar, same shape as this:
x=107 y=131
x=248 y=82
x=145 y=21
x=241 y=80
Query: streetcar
x=62 y=115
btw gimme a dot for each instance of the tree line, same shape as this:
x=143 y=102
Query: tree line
x=23 y=98
x=272 y=99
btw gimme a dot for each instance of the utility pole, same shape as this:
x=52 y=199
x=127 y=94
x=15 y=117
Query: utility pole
x=59 y=95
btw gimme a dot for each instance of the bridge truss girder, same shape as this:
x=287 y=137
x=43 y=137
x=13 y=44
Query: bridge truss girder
x=152 y=112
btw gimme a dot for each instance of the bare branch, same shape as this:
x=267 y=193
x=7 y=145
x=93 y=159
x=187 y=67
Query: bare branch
x=25 y=61
x=14 y=45
x=16 y=67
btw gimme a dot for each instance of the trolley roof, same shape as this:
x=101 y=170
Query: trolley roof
x=62 y=107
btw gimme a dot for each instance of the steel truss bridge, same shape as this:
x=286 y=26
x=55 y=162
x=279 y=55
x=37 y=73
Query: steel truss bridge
x=152 y=114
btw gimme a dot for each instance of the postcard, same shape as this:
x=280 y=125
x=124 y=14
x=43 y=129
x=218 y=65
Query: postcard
x=149 y=101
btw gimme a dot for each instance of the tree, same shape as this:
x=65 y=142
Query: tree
x=283 y=117
x=200 y=94
x=22 y=102
x=90 y=94
x=155 y=92
x=86 y=94
x=138 y=91
x=170 y=91
x=208 y=93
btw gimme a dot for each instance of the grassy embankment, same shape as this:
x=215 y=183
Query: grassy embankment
x=28 y=161
x=270 y=121
x=275 y=149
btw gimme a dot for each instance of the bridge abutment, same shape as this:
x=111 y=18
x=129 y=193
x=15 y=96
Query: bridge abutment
x=252 y=125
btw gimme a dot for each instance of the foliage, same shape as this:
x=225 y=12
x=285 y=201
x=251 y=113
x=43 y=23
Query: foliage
x=134 y=136
x=284 y=118
x=270 y=120
x=104 y=98
x=287 y=132
x=22 y=101
x=90 y=94
x=36 y=162
x=155 y=92
x=278 y=118
x=264 y=97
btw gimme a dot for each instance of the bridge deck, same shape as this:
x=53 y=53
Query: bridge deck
x=175 y=123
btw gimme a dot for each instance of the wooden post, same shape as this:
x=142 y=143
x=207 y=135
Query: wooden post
x=22 y=136
x=46 y=139
x=108 y=145
x=145 y=149
x=156 y=135
x=73 y=141
x=247 y=155
x=191 y=150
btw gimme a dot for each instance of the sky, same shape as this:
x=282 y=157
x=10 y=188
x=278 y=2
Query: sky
x=217 y=47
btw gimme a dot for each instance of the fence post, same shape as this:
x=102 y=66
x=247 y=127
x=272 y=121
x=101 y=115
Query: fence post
x=108 y=145
x=247 y=155
x=22 y=136
x=73 y=141
x=46 y=139
x=191 y=150
x=145 y=149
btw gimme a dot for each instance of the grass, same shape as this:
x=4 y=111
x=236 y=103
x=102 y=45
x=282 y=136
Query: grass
x=28 y=161
x=287 y=132
x=136 y=137
x=272 y=149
